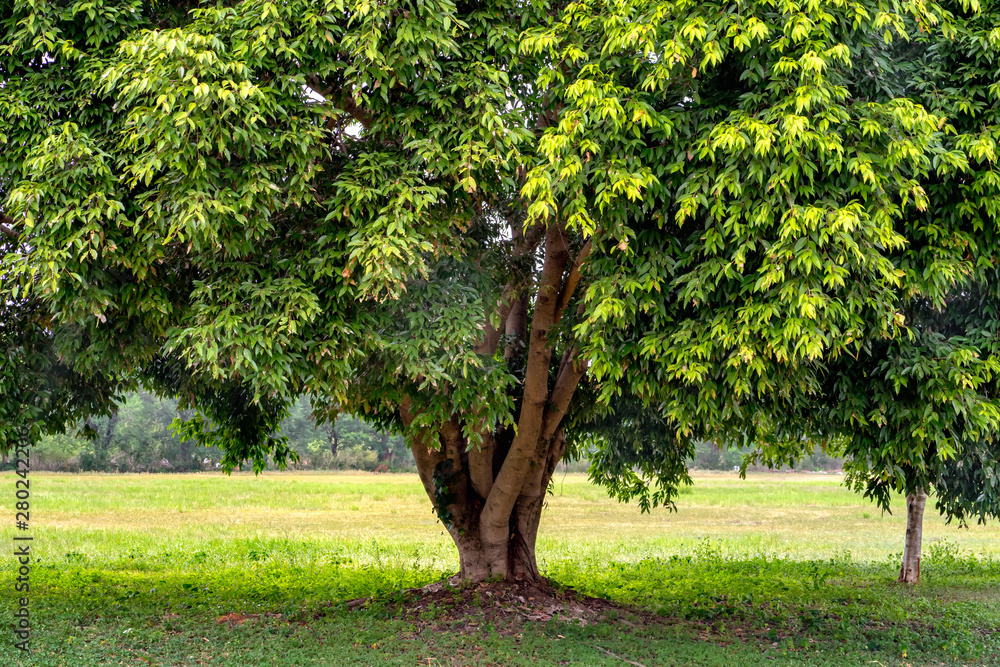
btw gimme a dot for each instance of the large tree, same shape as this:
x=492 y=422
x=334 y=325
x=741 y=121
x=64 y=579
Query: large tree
x=501 y=228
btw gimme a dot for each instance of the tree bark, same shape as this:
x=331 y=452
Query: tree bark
x=459 y=485
x=490 y=495
x=478 y=562
x=109 y=432
x=7 y=227
x=462 y=514
x=909 y=572
x=334 y=441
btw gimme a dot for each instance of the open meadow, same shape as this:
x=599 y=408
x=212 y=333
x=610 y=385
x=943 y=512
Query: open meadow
x=243 y=570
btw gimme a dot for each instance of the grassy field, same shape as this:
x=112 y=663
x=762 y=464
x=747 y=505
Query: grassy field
x=208 y=569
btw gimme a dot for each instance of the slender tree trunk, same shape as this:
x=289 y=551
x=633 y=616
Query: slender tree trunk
x=334 y=441
x=110 y=431
x=187 y=462
x=106 y=443
x=909 y=572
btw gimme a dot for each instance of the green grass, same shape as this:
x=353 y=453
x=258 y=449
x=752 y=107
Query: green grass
x=775 y=569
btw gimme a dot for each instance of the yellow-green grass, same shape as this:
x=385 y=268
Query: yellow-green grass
x=805 y=516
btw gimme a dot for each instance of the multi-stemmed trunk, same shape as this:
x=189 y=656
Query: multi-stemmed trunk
x=490 y=494
x=909 y=571
x=492 y=542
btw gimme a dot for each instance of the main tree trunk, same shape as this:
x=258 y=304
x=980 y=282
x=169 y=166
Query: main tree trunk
x=501 y=546
x=909 y=571
x=487 y=481
x=514 y=560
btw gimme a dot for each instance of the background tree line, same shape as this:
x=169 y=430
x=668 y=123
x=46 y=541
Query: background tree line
x=139 y=438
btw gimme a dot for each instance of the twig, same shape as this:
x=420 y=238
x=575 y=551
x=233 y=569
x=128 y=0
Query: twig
x=615 y=655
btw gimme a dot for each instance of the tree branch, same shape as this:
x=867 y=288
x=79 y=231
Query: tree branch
x=481 y=466
x=349 y=105
x=512 y=308
x=6 y=227
x=571 y=371
x=533 y=237
x=572 y=280
x=491 y=334
x=451 y=438
x=525 y=243
x=425 y=458
x=516 y=326
x=508 y=483
x=454 y=444
x=345 y=102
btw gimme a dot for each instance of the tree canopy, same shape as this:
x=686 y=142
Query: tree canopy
x=505 y=229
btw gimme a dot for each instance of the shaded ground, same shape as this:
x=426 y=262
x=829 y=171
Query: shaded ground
x=463 y=608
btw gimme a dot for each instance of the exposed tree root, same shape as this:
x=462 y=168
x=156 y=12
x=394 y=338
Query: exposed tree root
x=496 y=601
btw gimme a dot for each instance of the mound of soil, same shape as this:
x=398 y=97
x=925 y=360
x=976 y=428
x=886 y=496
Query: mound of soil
x=496 y=603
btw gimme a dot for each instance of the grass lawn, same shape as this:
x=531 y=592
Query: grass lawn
x=216 y=570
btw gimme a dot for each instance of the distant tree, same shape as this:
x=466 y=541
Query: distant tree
x=505 y=230
x=300 y=428
x=924 y=416
x=334 y=439
x=920 y=414
x=916 y=415
x=303 y=431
